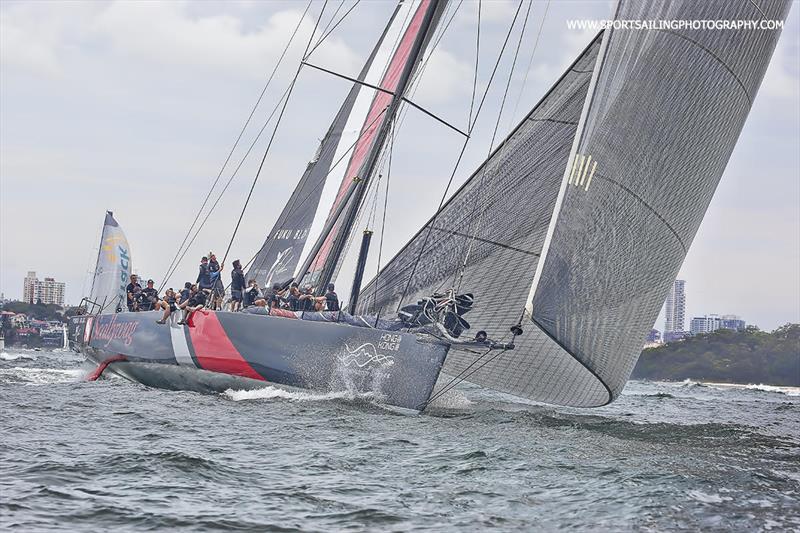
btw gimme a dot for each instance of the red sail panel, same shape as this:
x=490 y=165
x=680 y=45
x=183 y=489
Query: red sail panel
x=373 y=122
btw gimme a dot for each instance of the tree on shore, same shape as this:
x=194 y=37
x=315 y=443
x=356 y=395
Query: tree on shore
x=726 y=356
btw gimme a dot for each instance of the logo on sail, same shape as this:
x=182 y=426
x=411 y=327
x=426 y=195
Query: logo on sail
x=581 y=172
x=365 y=355
x=280 y=264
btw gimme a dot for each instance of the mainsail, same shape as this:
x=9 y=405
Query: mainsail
x=394 y=83
x=113 y=267
x=277 y=258
x=578 y=223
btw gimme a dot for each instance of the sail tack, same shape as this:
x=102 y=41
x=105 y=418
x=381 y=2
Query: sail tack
x=580 y=221
x=113 y=267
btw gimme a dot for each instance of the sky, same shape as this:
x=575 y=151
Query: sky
x=134 y=106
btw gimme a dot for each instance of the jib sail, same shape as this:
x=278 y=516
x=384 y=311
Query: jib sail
x=578 y=223
x=113 y=267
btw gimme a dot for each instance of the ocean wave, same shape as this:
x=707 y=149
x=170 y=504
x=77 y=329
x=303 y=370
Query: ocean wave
x=787 y=391
x=39 y=376
x=270 y=393
x=452 y=399
x=5 y=356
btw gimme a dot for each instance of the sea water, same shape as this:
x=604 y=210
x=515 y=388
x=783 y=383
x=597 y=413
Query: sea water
x=80 y=456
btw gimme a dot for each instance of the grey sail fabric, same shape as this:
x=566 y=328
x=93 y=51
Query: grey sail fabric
x=278 y=257
x=113 y=267
x=595 y=220
x=663 y=120
x=507 y=204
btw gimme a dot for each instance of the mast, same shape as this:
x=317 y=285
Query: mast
x=278 y=257
x=360 y=265
x=359 y=187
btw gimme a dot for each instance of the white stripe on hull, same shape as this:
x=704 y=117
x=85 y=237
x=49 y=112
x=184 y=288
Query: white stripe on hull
x=179 y=345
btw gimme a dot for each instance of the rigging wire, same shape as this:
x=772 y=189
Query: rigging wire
x=396 y=125
x=477 y=63
x=347 y=152
x=511 y=119
x=477 y=226
x=383 y=222
x=462 y=376
x=238 y=138
x=274 y=132
x=224 y=190
x=333 y=17
x=325 y=35
x=459 y=159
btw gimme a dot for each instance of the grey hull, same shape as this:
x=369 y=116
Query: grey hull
x=217 y=351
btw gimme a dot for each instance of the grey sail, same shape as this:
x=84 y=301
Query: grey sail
x=113 y=267
x=582 y=251
x=277 y=258
x=664 y=118
x=507 y=205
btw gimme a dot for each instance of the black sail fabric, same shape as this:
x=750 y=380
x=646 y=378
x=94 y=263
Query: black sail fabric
x=278 y=257
x=586 y=228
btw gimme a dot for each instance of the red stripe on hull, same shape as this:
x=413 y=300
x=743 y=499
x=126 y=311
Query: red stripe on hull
x=97 y=372
x=214 y=350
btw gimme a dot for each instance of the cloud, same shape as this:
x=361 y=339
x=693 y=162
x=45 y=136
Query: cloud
x=446 y=77
x=782 y=79
x=38 y=37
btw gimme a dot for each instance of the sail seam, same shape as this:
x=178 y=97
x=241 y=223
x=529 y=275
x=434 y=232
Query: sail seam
x=487 y=241
x=568 y=123
x=648 y=206
x=720 y=61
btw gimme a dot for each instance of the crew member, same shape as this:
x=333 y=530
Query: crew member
x=251 y=295
x=331 y=298
x=204 y=277
x=217 y=287
x=168 y=304
x=195 y=302
x=237 y=286
x=148 y=298
x=133 y=290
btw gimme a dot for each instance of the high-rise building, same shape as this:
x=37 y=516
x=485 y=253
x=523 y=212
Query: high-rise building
x=709 y=323
x=705 y=324
x=675 y=308
x=49 y=291
x=733 y=322
x=29 y=293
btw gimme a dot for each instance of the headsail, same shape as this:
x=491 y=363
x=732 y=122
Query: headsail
x=587 y=248
x=113 y=267
x=278 y=256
